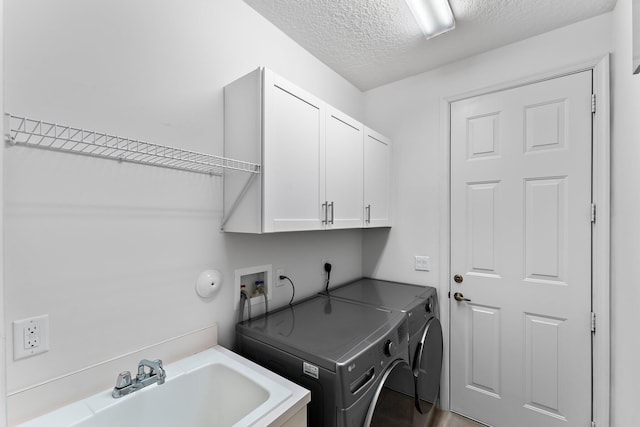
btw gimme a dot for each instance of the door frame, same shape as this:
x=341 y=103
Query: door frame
x=601 y=193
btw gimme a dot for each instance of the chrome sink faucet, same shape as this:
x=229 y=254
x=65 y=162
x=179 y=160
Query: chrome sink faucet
x=124 y=384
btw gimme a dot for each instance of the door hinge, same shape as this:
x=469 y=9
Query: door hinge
x=593 y=322
x=449 y=295
x=593 y=102
x=593 y=213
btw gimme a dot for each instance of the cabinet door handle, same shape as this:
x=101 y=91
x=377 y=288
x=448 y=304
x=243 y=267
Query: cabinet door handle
x=324 y=206
x=331 y=220
x=368 y=220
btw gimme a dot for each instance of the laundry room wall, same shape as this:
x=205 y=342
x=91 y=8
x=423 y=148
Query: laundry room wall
x=111 y=251
x=408 y=111
x=3 y=336
x=625 y=230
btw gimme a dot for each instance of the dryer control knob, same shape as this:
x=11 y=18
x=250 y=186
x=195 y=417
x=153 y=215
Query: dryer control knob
x=429 y=306
x=388 y=348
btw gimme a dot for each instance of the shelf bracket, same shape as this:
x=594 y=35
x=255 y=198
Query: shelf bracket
x=236 y=202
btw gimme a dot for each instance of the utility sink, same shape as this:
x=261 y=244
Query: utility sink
x=213 y=388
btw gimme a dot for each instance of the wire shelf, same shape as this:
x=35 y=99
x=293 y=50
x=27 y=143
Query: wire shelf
x=53 y=136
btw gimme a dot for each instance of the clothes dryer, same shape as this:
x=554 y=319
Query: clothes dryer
x=420 y=304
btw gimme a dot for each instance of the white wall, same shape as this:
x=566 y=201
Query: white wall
x=111 y=251
x=3 y=382
x=408 y=111
x=625 y=233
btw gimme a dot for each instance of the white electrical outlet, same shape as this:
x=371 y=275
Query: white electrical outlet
x=422 y=263
x=30 y=336
x=279 y=272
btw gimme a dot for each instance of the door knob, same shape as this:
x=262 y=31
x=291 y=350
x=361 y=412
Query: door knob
x=459 y=297
x=458 y=278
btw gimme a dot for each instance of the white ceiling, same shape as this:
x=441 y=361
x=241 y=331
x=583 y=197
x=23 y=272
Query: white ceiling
x=374 y=42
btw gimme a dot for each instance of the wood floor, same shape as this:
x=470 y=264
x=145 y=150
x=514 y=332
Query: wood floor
x=397 y=410
x=449 y=419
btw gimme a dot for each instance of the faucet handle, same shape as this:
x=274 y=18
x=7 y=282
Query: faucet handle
x=124 y=379
x=161 y=373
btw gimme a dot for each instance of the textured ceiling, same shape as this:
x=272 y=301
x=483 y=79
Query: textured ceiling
x=374 y=42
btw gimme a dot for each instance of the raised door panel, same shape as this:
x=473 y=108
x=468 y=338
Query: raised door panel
x=293 y=157
x=344 y=170
x=482 y=198
x=377 y=180
x=482 y=359
x=543 y=365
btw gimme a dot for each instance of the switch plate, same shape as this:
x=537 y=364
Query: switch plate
x=422 y=263
x=30 y=336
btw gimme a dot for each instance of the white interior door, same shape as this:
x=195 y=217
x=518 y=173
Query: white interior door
x=521 y=243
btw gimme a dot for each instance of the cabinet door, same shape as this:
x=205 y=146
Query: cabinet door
x=344 y=173
x=293 y=157
x=377 y=180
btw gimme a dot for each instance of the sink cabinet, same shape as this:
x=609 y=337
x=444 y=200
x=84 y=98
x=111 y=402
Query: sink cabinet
x=313 y=161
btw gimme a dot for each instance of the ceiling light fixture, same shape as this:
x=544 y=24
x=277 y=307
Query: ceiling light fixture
x=434 y=16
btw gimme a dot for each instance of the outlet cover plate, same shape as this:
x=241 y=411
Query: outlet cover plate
x=30 y=336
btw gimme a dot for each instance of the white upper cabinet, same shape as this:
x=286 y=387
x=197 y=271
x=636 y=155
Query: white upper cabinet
x=377 y=179
x=312 y=160
x=293 y=157
x=344 y=170
x=275 y=123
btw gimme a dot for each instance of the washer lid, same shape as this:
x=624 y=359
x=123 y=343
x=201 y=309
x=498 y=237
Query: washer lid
x=323 y=330
x=427 y=366
x=381 y=293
